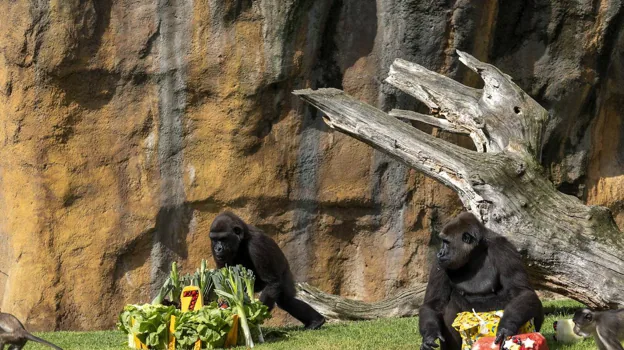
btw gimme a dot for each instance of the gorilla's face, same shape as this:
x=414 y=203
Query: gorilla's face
x=584 y=322
x=459 y=238
x=226 y=235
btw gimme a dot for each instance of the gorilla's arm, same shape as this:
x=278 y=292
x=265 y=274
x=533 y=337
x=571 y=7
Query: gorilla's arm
x=431 y=312
x=270 y=266
x=524 y=304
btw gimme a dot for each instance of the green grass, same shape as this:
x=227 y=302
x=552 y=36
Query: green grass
x=379 y=334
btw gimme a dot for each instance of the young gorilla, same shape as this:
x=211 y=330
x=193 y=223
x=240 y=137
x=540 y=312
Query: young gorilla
x=235 y=242
x=13 y=333
x=476 y=269
x=607 y=327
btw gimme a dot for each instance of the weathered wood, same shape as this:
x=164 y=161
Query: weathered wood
x=341 y=309
x=509 y=114
x=458 y=103
x=429 y=120
x=570 y=248
x=442 y=160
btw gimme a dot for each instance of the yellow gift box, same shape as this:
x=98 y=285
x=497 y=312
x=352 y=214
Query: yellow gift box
x=474 y=325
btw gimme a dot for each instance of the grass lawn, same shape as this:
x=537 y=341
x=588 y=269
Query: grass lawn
x=379 y=334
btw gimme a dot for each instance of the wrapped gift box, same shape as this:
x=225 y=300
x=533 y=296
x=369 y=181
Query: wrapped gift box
x=529 y=341
x=473 y=326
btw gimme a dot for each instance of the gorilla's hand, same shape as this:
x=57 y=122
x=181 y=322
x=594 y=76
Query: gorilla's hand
x=429 y=341
x=502 y=335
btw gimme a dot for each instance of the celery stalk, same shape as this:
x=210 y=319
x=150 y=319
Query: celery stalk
x=230 y=286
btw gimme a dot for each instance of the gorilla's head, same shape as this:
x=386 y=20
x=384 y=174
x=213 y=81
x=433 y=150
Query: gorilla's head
x=460 y=237
x=584 y=322
x=226 y=234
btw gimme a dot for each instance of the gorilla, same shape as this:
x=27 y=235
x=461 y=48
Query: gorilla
x=234 y=242
x=478 y=269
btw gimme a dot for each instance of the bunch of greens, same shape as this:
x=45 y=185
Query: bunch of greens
x=203 y=279
x=147 y=322
x=172 y=288
x=256 y=312
x=210 y=324
x=236 y=285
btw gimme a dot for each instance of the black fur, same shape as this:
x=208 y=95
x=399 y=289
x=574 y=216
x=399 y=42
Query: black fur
x=476 y=269
x=235 y=242
x=607 y=327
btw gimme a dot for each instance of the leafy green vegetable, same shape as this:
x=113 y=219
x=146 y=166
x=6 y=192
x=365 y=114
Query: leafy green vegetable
x=150 y=323
x=249 y=279
x=177 y=287
x=256 y=312
x=210 y=324
x=164 y=290
x=205 y=280
x=173 y=285
x=236 y=285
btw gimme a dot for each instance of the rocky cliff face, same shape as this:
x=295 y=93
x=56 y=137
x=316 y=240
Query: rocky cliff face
x=127 y=126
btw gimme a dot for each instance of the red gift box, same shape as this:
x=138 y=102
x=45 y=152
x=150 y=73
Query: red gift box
x=529 y=341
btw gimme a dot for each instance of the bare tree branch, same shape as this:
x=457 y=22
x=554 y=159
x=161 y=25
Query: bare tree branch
x=429 y=120
x=442 y=160
x=458 y=103
x=336 y=308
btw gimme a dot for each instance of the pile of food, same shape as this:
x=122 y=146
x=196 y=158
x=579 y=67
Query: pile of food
x=168 y=322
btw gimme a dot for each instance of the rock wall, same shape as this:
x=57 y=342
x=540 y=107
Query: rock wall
x=127 y=126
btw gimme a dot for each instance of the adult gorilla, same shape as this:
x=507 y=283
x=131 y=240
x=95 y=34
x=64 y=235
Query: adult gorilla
x=476 y=269
x=234 y=242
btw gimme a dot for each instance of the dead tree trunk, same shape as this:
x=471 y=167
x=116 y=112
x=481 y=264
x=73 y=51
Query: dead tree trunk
x=336 y=308
x=570 y=248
